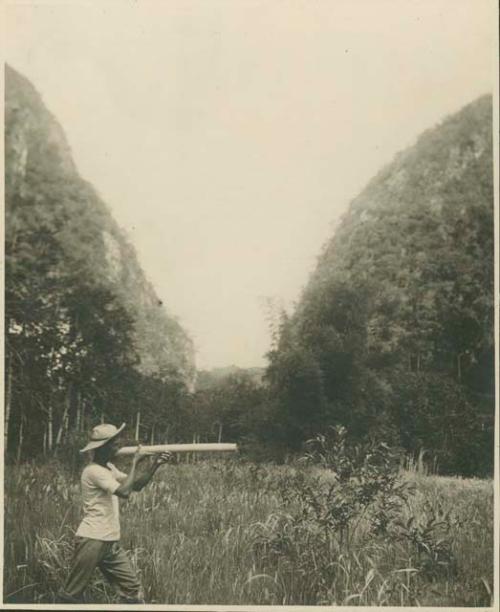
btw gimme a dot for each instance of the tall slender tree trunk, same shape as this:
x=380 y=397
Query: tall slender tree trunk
x=153 y=434
x=82 y=416
x=50 y=426
x=60 y=430
x=459 y=367
x=78 y=417
x=63 y=426
x=219 y=438
x=8 y=399
x=20 y=439
x=68 y=411
x=137 y=425
x=76 y=412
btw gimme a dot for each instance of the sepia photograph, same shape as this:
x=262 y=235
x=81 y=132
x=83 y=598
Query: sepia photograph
x=249 y=341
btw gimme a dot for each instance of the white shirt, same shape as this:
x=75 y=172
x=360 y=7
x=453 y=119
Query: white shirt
x=101 y=510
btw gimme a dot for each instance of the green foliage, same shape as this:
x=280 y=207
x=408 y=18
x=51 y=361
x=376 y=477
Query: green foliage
x=393 y=335
x=355 y=506
x=364 y=483
x=85 y=334
x=432 y=412
x=430 y=535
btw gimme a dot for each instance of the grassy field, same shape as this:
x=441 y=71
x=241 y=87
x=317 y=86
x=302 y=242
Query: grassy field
x=224 y=533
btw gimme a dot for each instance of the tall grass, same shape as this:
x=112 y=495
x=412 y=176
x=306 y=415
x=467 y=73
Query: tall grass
x=220 y=533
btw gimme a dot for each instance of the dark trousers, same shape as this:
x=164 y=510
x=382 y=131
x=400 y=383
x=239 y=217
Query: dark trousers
x=113 y=562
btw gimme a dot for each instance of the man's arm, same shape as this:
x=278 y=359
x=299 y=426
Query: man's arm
x=141 y=481
x=127 y=486
x=136 y=483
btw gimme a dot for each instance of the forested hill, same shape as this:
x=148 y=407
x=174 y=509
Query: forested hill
x=394 y=332
x=85 y=330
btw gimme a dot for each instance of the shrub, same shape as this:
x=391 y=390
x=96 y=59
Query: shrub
x=332 y=516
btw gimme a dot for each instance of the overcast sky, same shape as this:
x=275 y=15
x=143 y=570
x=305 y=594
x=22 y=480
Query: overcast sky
x=227 y=137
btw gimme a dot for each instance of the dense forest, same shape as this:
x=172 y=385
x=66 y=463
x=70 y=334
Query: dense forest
x=392 y=336
x=86 y=337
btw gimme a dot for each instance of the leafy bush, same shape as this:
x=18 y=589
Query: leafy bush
x=357 y=499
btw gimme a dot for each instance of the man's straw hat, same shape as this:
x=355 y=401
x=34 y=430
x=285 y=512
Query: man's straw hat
x=101 y=434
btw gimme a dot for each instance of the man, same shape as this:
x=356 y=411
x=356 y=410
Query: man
x=99 y=532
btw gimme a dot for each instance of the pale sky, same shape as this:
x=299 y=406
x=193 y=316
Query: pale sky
x=228 y=136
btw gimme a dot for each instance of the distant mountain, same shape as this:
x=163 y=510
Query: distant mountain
x=46 y=196
x=209 y=378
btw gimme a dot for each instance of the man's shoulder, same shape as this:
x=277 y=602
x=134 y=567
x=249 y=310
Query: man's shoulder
x=100 y=476
x=93 y=469
x=118 y=474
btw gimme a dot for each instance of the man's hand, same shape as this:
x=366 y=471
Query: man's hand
x=162 y=458
x=137 y=456
x=141 y=481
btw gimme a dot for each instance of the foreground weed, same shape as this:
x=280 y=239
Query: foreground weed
x=358 y=499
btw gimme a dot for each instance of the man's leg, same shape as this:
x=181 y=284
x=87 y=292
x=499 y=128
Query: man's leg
x=117 y=568
x=88 y=554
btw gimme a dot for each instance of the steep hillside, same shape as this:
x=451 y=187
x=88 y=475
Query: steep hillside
x=420 y=235
x=397 y=319
x=85 y=329
x=40 y=171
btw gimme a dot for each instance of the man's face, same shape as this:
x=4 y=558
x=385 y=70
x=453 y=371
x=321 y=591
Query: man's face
x=110 y=449
x=113 y=448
